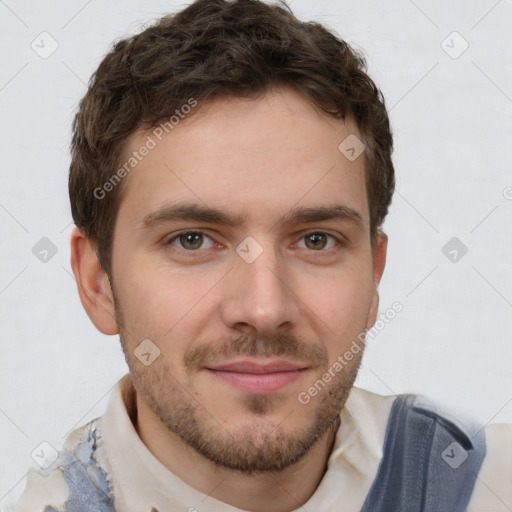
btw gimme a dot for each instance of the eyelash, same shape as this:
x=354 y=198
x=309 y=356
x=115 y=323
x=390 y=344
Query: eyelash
x=339 y=240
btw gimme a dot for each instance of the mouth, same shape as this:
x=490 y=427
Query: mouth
x=258 y=377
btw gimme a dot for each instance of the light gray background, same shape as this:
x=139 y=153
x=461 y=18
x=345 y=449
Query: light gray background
x=452 y=124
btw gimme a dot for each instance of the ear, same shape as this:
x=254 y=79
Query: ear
x=93 y=283
x=379 y=262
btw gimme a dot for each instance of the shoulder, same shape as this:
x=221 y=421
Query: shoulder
x=440 y=455
x=461 y=450
x=75 y=481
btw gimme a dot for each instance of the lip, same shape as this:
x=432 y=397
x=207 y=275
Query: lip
x=258 y=377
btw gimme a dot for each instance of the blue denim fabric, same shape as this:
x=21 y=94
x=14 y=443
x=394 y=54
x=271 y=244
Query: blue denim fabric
x=87 y=483
x=430 y=464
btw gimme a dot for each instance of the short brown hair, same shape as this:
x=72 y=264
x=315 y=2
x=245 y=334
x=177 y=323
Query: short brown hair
x=213 y=49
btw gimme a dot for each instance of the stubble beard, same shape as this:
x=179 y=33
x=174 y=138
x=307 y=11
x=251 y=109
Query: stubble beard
x=256 y=446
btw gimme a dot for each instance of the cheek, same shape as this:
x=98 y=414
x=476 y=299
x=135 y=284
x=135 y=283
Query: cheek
x=343 y=299
x=148 y=301
x=165 y=306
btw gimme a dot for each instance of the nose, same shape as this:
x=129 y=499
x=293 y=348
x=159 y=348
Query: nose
x=260 y=298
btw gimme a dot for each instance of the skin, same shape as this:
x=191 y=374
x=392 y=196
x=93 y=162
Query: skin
x=202 y=304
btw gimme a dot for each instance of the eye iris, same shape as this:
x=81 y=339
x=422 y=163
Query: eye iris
x=315 y=238
x=194 y=238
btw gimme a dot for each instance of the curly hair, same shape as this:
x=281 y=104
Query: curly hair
x=213 y=49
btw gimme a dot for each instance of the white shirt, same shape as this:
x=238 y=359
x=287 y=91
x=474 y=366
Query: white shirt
x=140 y=481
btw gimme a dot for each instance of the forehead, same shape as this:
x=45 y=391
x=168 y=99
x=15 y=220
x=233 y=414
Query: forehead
x=250 y=157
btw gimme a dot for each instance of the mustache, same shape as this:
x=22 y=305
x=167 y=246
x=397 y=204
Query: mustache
x=280 y=345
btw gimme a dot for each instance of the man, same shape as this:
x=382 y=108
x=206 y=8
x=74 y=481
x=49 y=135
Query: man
x=231 y=171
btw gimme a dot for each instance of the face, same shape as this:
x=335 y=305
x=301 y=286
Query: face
x=242 y=251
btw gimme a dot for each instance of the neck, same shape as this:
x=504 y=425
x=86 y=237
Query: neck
x=281 y=491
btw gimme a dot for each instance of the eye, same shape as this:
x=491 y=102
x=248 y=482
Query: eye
x=190 y=240
x=318 y=240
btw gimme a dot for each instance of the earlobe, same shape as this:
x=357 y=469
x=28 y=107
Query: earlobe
x=93 y=284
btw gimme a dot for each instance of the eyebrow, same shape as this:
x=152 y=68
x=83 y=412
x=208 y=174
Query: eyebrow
x=202 y=213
